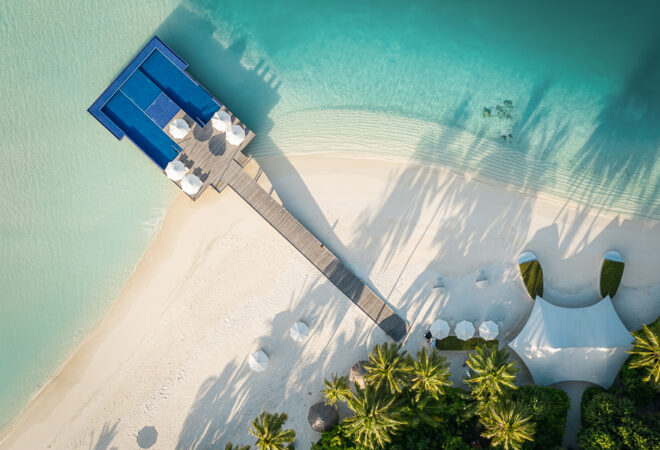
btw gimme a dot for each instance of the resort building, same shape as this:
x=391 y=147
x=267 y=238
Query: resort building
x=573 y=344
x=197 y=142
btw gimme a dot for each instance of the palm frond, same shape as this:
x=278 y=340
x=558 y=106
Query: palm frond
x=646 y=349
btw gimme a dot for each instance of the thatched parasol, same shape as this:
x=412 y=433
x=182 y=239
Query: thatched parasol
x=358 y=371
x=322 y=417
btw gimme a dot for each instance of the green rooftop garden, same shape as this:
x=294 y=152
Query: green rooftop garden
x=610 y=277
x=532 y=275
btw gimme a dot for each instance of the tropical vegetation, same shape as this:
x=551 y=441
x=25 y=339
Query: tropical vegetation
x=610 y=277
x=507 y=424
x=646 y=350
x=532 y=275
x=626 y=415
x=336 y=390
x=454 y=343
x=269 y=430
x=409 y=403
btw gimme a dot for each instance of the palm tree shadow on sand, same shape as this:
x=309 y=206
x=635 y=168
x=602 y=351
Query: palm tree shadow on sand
x=252 y=93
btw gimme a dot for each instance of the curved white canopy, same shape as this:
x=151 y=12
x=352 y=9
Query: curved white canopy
x=191 y=184
x=439 y=329
x=489 y=330
x=576 y=344
x=236 y=135
x=258 y=361
x=175 y=170
x=179 y=128
x=464 y=330
x=221 y=121
x=481 y=282
x=299 y=332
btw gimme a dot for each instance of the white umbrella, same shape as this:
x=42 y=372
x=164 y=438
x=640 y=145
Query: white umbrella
x=221 y=121
x=439 y=329
x=191 y=184
x=299 y=332
x=175 y=170
x=489 y=330
x=179 y=128
x=236 y=135
x=464 y=330
x=258 y=361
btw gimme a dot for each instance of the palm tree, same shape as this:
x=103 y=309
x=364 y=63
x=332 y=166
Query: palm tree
x=423 y=410
x=267 y=428
x=430 y=374
x=490 y=374
x=376 y=416
x=389 y=366
x=646 y=348
x=336 y=390
x=507 y=424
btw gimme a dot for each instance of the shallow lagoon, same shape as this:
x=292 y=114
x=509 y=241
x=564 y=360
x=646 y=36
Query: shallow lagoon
x=79 y=208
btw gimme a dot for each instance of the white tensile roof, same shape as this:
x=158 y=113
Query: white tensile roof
x=573 y=344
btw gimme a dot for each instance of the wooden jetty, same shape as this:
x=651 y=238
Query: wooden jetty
x=312 y=249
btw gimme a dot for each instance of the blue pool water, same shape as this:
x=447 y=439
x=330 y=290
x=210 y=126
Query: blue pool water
x=582 y=78
x=191 y=97
x=140 y=129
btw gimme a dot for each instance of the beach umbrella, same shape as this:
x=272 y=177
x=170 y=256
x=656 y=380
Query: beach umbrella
x=299 y=332
x=481 y=282
x=322 y=417
x=464 y=330
x=489 y=330
x=236 y=135
x=221 y=121
x=439 y=329
x=258 y=361
x=175 y=170
x=358 y=371
x=191 y=184
x=179 y=128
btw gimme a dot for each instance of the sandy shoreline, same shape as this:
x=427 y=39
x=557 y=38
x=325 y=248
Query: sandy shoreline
x=217 y=282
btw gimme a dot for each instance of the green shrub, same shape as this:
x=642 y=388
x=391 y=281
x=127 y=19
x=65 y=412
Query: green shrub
x=335 y=438
x=610 y=277
x=609 y=421
x=454 y=343
x=640 y=392
x=425 y=437
x=532 y=275
x=548 y=408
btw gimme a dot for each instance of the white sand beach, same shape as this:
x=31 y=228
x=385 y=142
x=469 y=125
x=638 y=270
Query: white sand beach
x=218 y=283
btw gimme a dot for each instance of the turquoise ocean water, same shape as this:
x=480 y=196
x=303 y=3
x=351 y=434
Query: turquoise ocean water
x=79 y=208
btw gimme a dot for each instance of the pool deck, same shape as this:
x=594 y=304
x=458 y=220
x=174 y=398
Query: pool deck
x=206 y=152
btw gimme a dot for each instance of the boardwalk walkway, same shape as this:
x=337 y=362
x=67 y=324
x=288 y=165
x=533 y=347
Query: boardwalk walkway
x=303 y=240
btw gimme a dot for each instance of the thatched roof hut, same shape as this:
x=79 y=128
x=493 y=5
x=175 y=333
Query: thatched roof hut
x=322 y=417
x=358 y=371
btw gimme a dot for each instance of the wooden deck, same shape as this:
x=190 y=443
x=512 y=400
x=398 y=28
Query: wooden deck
x=205 y=151
x=303 y=240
